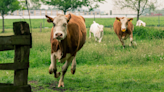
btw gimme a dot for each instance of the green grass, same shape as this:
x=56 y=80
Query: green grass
x=101 y=67
x=107 y=22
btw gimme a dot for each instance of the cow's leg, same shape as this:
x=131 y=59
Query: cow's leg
x=53 y=67
x=122 y=41
x=100 y=39
x=89 y=34
x=64 y=69
x=131 y=39
x=101 y=36
x=95 y=38
x=73 y=67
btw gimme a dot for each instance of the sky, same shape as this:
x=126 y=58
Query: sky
x=106 y=6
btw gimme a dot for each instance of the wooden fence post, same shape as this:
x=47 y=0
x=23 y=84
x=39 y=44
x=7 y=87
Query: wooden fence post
x=21 y=54
x=17 y=12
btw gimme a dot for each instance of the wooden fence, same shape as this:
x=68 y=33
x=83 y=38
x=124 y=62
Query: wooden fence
x=21 y=42
x=49 y=12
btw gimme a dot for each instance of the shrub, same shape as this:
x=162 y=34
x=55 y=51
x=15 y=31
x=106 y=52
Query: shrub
x=148 y=33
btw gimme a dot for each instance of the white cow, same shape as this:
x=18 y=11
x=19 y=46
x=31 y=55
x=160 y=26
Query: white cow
x=140 y=23
x=97 y=31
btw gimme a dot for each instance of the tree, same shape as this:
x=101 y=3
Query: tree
x=67 y=5
x=6 y=6
x=137 y=5
x=32 y=4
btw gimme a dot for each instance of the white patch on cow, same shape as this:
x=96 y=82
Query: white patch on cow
x=131 y=39
x=52 y=65
x=124 y=23
x=60 y=27
x=68 y=55
x=58 y=54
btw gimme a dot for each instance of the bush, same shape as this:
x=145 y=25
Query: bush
x=148 y=33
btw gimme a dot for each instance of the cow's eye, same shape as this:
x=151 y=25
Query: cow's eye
x=54 y=24
x=64 y=24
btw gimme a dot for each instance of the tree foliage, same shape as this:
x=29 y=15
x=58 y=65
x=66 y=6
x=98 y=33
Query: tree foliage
x=67 y=5
x=32 y=4
x=137 y=5
x=6 y=6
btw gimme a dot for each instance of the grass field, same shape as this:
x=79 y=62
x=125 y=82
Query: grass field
x=107 y=22
x=101 y=67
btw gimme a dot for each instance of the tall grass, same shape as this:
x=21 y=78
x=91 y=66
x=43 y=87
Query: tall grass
x=148 y=33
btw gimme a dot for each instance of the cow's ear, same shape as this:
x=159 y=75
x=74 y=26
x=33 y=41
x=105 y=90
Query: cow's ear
x=69 y=17
x=49 y=19
x=130 y=19
x=118 y=19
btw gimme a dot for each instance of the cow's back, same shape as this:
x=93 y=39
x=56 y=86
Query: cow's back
x=130 y=27
x=117 y=26
x=94 y=27
x=76 y=32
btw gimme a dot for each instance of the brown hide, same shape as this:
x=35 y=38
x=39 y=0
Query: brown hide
x=75 y=39
x=117 y=28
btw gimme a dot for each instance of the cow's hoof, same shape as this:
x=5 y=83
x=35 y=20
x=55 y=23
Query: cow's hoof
x=61 y=84
x=72 y=71
x=50 y=72
x=135 y=44
x=57 y=74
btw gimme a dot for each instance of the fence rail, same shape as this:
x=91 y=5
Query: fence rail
x=49 y=12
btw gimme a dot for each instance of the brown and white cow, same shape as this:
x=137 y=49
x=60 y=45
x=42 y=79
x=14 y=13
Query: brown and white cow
x=123 y=27
x=68 y=36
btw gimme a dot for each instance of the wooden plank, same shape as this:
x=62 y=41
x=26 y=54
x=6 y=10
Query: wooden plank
x=21 y=53
x=6 y=47
x=14 y=66
x=12 y=88
x=15 y=40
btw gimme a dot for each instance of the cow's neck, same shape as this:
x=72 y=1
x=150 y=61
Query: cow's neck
x=62 y=47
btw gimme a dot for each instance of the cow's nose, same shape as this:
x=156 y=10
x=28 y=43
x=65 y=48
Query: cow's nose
x=123 y=29
x=58 y=34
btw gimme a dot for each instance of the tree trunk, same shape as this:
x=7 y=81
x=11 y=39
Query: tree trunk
x=138 y=10
x=64 y=12
x=3 y=30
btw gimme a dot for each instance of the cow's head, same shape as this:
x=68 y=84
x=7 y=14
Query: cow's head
x=124 y=22
x=100 y=27
x=59 y=25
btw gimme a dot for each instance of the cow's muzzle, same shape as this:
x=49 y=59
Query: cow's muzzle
x=123 y=30
x=59 y=36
